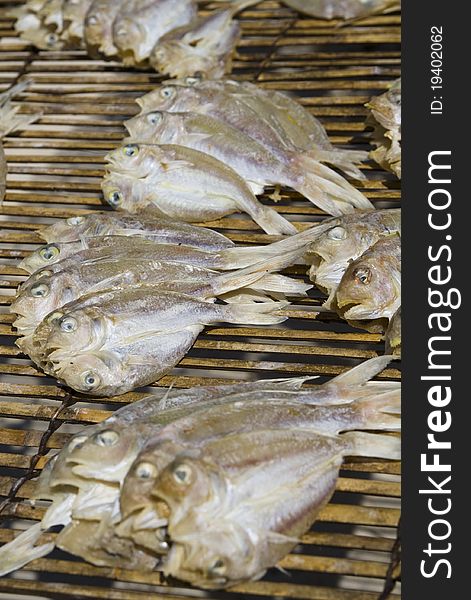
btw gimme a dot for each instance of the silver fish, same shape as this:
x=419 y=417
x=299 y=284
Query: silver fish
x=346 y=240
x=252 y=161
x=113 y=342
x=282 y=122
x=140 y=24
x=148 y=224
x=183 y=183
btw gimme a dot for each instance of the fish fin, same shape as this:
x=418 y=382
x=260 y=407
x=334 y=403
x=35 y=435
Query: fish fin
x=342 y=159
x=254 y=314
x=327 y=189
x=21 y=550
x=270 y=221
x=283 y=284
x=373 y=445
x=363 y=372
x=281 y=538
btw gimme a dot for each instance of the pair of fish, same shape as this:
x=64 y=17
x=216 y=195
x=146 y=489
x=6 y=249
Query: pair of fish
x=265 y=138
x=357 y=262
x=343 y=9
x=386 y=119
x=212 y=485
x=10 y=121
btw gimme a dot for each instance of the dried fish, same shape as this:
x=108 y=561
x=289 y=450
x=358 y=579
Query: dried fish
x=281 y=122
x=370 y=289
x=386 y=117
x=346 y=240
x=98 y=26
x=183 y=183
x=343 y=9
x=73 y=13
x=112 y=342
x=204 y=46
x=140 y=24
x=148 y=224
x=252 y=161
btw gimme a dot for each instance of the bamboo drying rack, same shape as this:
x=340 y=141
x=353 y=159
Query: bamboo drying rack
x=55 y=168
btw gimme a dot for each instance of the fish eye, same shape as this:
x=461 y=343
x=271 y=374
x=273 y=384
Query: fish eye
x=51 y=39
x=337 y=233
x=91 y=381
x=39 y=290
x=145 y=470
x=68 y=324
x=49 y=252
x=182 y=474
x=192 y=80
x=75 y=220
x=363 y=275
x=115 y=198
x=131 y=150
x=92 y=20
x=168 y=92
x=154 y=118
x=218 y=567
x=107 y=437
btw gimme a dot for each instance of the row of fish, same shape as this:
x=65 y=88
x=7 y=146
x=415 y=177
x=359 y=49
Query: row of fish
x=211 y=485
x=120 y=299
x=202 y=149
x=167 y=34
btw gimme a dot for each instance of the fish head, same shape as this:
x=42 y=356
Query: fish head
x=69 y=230
x=166 y=97
x=42 y=38
x=155 y=127
x=95 y=26
x=44 y=256
x=187 y=481
x=125 y=192
x=105 y=454
x=39 y=297
x=368 y=290
x=137 y=160
x=94 y=373
x=130 y=36
x=70 y=332
x=220 y=556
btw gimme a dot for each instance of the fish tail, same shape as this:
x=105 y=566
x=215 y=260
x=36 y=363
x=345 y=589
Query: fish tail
x=272 y=222
x=292 y=248
x=265 y=313
x=283 y=284
x=382 y=411
x=21 y=550
x=345 y=160
x=373 y=444
x=362 y=373
x=327 y=189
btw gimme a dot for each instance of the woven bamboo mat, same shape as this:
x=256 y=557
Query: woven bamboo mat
x=55 y=166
